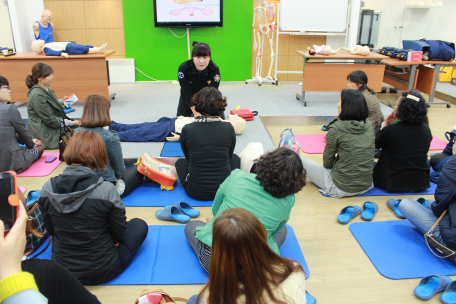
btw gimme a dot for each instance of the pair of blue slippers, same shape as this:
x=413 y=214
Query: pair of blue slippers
x=431 y=285
x=393 y=204
x=178 y=212
x=349 y=212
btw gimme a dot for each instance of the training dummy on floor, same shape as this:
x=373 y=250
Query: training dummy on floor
x=165 y=128
x=65 y=48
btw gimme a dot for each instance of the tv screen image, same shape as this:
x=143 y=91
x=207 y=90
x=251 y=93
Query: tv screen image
x=188 y=13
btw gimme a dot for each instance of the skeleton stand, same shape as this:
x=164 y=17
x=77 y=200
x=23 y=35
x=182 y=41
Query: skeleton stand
x=263 y=14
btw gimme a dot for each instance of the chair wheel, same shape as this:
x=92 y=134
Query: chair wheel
x=448 y=105
x=246 y=82
x=277 y=82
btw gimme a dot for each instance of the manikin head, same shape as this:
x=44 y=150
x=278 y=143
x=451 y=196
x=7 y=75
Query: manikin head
x=201 y=55
x=37 y=46
x=238 y=124
x=46 y=17
x=365 y=51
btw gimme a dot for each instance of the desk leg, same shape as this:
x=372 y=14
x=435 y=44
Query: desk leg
x=412 y=76
x=434 y=87
x=112 y=95
x=302 y=96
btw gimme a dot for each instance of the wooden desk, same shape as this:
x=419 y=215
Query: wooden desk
x=83 y=75
x=321 y=76
x=419 y=77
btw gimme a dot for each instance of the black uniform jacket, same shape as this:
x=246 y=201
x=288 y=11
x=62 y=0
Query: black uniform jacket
x=191 y=81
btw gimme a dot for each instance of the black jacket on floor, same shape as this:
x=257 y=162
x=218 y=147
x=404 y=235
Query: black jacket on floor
x=403 y=166
x=84 y=214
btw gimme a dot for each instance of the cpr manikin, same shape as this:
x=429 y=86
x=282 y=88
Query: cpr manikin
x=263 y=13
x=323 y=50
x=237 y=122
x=358 y=50
x=65 y=48
x=43 y=28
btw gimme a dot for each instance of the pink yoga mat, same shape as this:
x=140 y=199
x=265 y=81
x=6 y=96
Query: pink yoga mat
x=315 y=143
x=40 y=168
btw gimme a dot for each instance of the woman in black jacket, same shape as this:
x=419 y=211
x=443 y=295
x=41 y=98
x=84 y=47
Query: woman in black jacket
x=405 y=139
x=208 y=144
x=85 y=216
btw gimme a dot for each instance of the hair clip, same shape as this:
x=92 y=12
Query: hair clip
x=413 y=97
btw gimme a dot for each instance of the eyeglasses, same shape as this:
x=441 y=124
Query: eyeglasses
x=7 y=87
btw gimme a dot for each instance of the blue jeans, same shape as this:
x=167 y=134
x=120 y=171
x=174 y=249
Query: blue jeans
x=135 y=234
x=423 y=218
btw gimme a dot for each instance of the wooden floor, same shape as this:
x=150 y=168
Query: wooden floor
x=340 y=271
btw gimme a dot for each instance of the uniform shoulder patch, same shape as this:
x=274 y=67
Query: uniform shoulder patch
x=217 y=78
x=180 y=75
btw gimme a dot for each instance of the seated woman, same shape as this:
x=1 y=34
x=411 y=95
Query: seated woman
x=268 y=194
x=164 y=129
x=95 y=116
x=439 y=159
x=208 y=145
x=445 y=199
x=45 y=112
x=12 y=132
x=404 y=139
x=349 y=151
x=357 y=80
x=94 y=240
x=244 y=269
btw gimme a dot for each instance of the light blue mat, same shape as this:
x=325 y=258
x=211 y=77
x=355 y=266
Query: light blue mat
x=166 y=258
x=398 y=250
x=149 y=194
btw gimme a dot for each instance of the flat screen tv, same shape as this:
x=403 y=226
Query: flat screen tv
x=188 y=13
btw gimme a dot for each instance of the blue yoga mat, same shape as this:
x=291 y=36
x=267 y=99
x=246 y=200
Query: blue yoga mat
x=380 y=192
x=398 y=250
x=172 y=149
x=166 y=258
x=149 y=194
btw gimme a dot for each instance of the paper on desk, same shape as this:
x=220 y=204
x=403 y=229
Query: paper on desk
x=70 y=100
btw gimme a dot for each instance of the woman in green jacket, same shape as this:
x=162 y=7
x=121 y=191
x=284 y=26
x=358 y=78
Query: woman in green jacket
x=268 y=194
x=45 y=111
x=349 y=152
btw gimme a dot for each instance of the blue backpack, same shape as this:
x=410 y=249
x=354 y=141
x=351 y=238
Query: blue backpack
x=287 y=140
x=436 y=49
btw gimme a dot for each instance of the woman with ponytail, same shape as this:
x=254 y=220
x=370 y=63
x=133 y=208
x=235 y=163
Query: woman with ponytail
x=45 y=111
x=195 y=74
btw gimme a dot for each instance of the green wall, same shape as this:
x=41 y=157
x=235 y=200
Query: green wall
x=158 y=53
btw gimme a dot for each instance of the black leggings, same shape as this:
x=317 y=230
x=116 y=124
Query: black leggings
x=58 y=284
x=182 y=171
x=132 y=179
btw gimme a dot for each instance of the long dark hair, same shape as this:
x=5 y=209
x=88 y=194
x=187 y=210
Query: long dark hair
x=353 y=106
x=359 y=77
x=39 y=70
x=241 y=256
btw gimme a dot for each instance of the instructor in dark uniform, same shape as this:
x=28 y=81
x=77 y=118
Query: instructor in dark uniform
x=195 y=74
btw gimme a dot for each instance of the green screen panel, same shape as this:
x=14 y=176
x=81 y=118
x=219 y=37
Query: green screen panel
x=158 y=53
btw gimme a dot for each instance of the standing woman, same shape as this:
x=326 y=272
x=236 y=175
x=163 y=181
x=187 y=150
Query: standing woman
x=45 y=111
x=195 y=74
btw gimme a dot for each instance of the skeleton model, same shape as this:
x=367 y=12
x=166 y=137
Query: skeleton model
x=263 y=12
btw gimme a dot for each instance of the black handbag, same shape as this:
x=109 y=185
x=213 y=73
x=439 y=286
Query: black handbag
x=65 y=135
x=443 y=251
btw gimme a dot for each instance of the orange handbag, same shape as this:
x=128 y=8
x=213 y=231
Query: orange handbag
x=157 y=171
